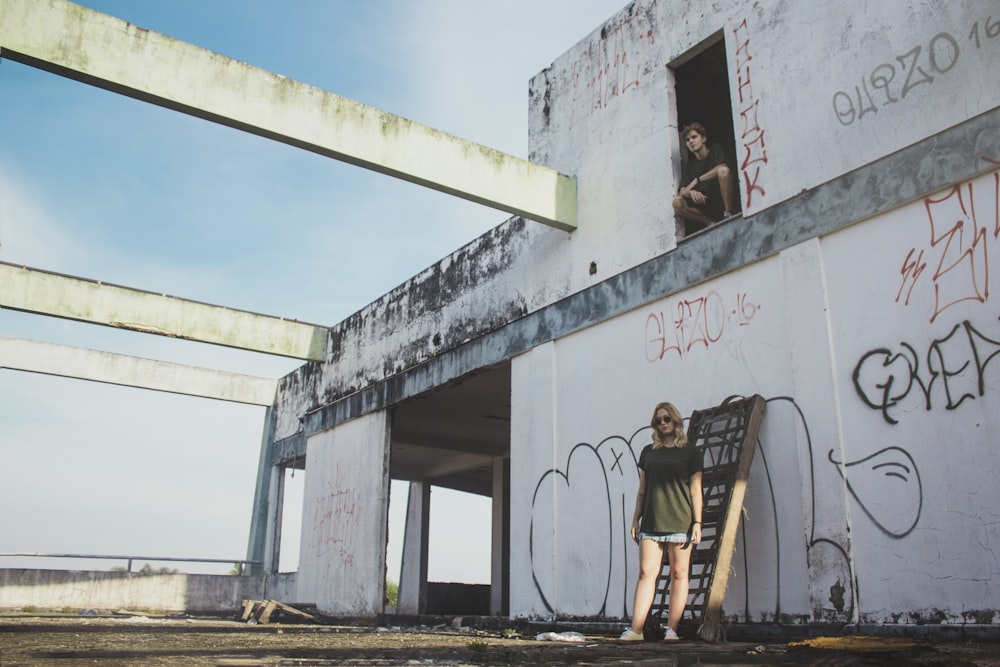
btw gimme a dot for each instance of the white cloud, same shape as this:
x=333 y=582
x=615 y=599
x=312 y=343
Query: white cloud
x=29 y=234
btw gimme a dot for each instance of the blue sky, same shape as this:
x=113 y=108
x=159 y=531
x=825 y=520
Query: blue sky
x=100 y=186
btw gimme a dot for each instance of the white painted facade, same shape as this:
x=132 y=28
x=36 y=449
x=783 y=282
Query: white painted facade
x=853 y=295
x=342 y=557
x=872 y=498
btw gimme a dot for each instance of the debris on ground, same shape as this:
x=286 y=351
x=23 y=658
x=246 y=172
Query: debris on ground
x=267 y=611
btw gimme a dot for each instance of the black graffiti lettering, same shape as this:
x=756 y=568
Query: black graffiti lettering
x=914 y=67
x=881 y=77
x=862 y=109
x=950 y=359
x=940 y=56
x=883 y=378
x=933 y=52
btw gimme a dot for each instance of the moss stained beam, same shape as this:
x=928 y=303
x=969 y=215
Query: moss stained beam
x=104 y=51
x=97 y=366
x=36 y=291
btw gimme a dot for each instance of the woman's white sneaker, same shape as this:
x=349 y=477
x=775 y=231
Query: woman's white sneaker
x=670 y=635
x=631 y=635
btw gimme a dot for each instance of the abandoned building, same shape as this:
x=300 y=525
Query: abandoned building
x=850 y=291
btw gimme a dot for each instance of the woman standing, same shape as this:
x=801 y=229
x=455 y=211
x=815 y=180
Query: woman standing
x=668 y=504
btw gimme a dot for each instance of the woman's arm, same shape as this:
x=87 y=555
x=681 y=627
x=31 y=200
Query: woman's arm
x=639 y=498
x=697 y=500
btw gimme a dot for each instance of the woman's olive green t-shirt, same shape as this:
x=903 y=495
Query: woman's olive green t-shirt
x=667 y=505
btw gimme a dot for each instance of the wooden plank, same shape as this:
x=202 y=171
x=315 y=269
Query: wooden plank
x=711 y=625
x=247 y=612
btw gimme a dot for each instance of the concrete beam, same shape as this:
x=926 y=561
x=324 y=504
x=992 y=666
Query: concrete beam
x=83 y=364
x=36 y=291
x=104 y=51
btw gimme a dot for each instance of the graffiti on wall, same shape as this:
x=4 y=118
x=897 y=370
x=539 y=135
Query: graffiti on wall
x=955 y=370
x=700 y=322
x=951 y=269
x=335 y=517
x=896 y=513
x=591 y=493
x=752 y=136
x=891 y=81
x=610 y=67
x=961 y=225
x=592 y=497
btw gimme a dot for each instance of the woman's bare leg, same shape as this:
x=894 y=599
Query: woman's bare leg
x=680 y=567
x=650 y=564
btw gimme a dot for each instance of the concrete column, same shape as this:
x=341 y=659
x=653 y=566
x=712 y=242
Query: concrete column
x=831 y=569
x=257 y=549
x=272 y=557
x=413 y=568
x=500 y=558
x=345 y=514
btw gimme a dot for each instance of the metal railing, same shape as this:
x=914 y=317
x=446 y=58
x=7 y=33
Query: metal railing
x=239 y=564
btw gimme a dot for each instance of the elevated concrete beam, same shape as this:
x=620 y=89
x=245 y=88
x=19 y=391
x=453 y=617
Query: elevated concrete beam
x=36 y=291
x=74 y=362
x=80 y=43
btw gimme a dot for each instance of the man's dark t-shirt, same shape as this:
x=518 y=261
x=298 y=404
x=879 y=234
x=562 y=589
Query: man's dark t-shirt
x=693 y=168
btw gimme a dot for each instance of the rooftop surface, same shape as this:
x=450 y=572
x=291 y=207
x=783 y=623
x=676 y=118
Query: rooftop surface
x=131 y=638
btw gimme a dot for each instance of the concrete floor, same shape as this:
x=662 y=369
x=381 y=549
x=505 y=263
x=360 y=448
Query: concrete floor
x=120 y=639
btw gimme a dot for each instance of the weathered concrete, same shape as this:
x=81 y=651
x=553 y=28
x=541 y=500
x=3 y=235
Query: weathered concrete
x=95 y=365
x=433 y=355
x=105 y=51
x=853 y=295
x=46 y=293
x=860 y=229
x=344 y=528
x=59 y=589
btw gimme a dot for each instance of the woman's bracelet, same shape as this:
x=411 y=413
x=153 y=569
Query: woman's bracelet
x=699 y=522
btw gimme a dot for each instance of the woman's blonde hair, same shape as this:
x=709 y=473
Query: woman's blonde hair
x=680 y=437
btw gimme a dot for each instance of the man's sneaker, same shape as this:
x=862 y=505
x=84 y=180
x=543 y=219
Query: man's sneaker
x=670 y=636
x=631 y=635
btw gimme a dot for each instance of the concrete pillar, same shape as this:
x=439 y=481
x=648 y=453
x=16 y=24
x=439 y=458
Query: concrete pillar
x=416 y=538
x=500 y=552
x=832 y=583
x=260 y=530
x=345 y=514
x=272 y=556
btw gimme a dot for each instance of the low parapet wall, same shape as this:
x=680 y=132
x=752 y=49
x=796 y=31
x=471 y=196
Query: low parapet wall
x=73 y=589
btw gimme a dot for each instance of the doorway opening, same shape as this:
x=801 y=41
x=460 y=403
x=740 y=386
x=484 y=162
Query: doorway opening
x=289 y=526
x=701 y=82
x=449 y=462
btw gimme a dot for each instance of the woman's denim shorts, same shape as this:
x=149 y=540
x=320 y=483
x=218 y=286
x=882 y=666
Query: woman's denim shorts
x=673 y=538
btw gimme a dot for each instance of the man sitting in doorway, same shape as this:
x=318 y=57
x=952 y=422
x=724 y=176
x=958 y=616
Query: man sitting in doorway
x=708 y=192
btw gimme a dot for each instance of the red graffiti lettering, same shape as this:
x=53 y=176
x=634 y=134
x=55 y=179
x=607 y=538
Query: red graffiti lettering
x=695 y=323
x=957 y=251
x=754 y=150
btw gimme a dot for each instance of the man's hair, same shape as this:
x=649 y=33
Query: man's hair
x=697 y=127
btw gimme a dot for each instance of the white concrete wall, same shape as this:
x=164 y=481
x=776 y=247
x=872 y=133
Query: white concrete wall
x=870 y=499
x=59 y=589
x=605 y=112
x=873 y=497
x=344 y=515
